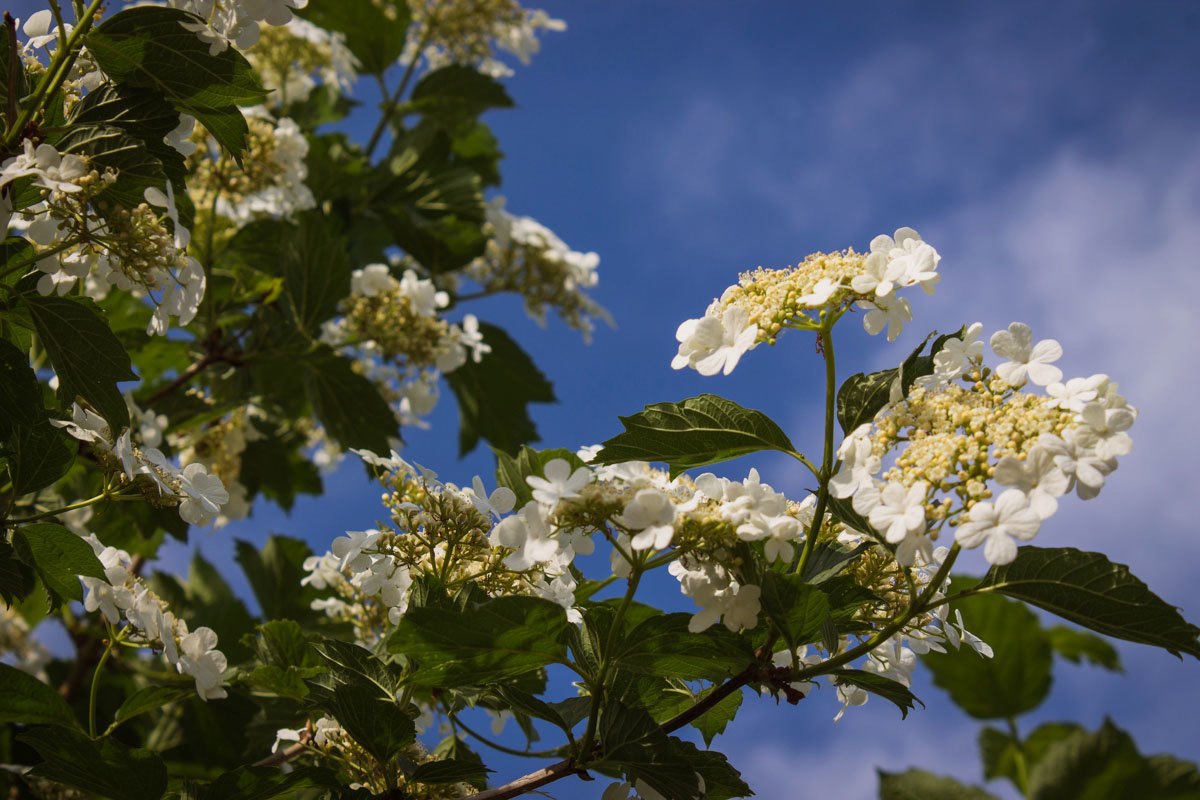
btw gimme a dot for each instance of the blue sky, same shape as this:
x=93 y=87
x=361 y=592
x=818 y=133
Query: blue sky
x=1049 y=151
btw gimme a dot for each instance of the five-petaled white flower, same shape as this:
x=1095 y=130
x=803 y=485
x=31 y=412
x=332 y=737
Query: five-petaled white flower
x=652 y=514
x=715 y=342
x=199 y=658
x=886 y=312
x=997 y=527
x=204 y=495
x=560 y=483
x=1026 y=361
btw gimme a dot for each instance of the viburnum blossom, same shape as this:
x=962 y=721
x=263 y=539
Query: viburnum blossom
x=559 y=483
x=1026 y=361
x=998 y=527
x=715 y=342
x=652 y=514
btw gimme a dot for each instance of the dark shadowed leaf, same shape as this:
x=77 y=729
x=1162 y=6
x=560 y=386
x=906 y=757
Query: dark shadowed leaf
x=494 y=394
x=1089 y=590
x=917 y=784
x=28 y=701
x=87 y=357
x=692 y=433
x=104 y=767
x=58 y=556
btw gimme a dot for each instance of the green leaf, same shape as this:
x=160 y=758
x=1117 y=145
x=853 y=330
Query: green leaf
x=829 y=557
x=59 y=557
x=279 y=470
x=1089 y=590
x=263 y=783
x=149 y=47
x=449 y=771
x=374 y=721
x=631 y=740
x=494 y=394
x=346 y=403
x=512 y=472
x=713 y=721
x=663 y=646
x=104 y=767
x=692 y=433
x=28 y=701
x=146 y=116
x=38 y=456
x=798 y=609
x=275 y=574
x=917 y=784
x=1079 y=646
x=1015 y=680
x=499 y=639
x=353 y=664
x=721 y=780
x=1107 y=764
x=999 y=752
x=316 y=272
x=454 y=749
x=456 y=94
x=20 y=393
x=111 y=147
x=150 y=698
x=888 y=689
x=372 y=36
x=87 y=357
x=17 y=579
x=862 y=396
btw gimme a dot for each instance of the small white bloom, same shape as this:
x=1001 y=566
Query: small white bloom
x=652 y=514
x=997 y=527
x=1026 y=361
x=716 y=342
x=204 y=495
x=560 y=483
x=1038 y=476
x=886 y=312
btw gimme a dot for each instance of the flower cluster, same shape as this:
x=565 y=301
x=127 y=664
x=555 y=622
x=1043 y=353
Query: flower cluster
x=401 y=341
x=526 y=257
x=471 y=32
x=122 y=593
x=964 y=429
x=198 y=494
x=236 y=22
x=287 y=57
x=766 y=301
x=270 y=179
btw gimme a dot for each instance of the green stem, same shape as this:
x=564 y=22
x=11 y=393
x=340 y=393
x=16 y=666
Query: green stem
x=458 y=723
x=393 y=100
x=57 y=511
x=827 y=464
x=38 y=256
x=112 y=640
x=55 y=74
x=1019 y=749
x=598 y=685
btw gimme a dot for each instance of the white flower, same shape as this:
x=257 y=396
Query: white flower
x=179 y=137
x=1075 y=393
x=1038 y=476
x=997 y=527
x=1025 y=359
x=821 y=292
x=880 y=276
x=900 y=512
x=497 y=503
x=1103 y=430
x=425 y=298
x=204 y=495
x=107 y=598
x=714 y=344
x=371 y=280
x=858 y=465
x=349 y=549
x=1085 y=470
x=472 y=338
x=528 y=534
x=560 y=483
x=850 y=695
x=742 y=612
x=889 y=312
x=652 y=514
x=957 y=354
x=199 y=658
